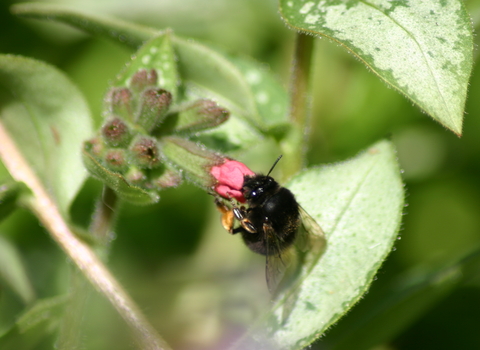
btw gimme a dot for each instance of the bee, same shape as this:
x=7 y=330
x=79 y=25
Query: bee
x=272 y=224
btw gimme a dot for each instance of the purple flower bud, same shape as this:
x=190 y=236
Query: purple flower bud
x=154 y=106
x=115 y=159
x=94 y=146
x=144 y=152
x=120 y=103
x=135 y=176
x=169 y=178
x=116 y=133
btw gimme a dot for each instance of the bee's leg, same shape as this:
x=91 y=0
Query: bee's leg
x=227 y=215
x=230 y=214
x=246 y=224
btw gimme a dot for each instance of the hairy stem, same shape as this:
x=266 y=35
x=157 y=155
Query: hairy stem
x=104 y=216
x=300 y=81
x=84 y=258
x=294 y=146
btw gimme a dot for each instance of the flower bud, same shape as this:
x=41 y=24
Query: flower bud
x=116 y=160
x=120 y=103
x=144 y=152
x=129 y=186
x=199 y=115
x=154 y=107
x=169 y=178
x=135 y=176
x=94 y=146
x=116 y=133
x=143 y=79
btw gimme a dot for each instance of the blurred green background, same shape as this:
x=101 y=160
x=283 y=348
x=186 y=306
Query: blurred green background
x=174 y=257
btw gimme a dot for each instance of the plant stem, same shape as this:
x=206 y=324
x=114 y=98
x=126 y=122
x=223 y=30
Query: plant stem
x=300 y=81
x=294 y=146
x=104 y=217
x=89 y=264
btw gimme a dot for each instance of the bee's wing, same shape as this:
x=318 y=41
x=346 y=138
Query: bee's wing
x=278 y=260
x=310 y=236
x=310 y=243
x=283 y=264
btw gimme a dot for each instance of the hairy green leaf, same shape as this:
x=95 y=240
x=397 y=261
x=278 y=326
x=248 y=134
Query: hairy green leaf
x=422 y=48
x=128 y=33
x=270 y=97
x=48 y=118
x=233 y=135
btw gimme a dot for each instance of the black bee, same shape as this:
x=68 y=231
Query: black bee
x=272 y=223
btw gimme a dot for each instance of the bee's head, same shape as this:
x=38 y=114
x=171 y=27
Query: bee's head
x=258 y=187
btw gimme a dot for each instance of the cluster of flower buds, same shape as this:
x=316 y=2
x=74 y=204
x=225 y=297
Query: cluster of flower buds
x=143 y=143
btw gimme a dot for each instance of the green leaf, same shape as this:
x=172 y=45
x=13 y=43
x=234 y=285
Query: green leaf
x=41 y=319
x=359 y=205
x=424 y=49
x=233 y=135
x=13 y=272
x=48 y=118
x=271 y=99
x=128 y=33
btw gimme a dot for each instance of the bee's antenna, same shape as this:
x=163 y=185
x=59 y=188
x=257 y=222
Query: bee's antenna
x=273 y=166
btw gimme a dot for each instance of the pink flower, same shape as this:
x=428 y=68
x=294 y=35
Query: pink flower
x=230 y=177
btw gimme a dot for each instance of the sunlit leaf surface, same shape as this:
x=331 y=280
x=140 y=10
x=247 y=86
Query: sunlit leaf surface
x=422 y=48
